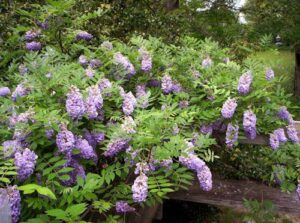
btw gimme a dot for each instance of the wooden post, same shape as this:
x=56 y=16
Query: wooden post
x=297 y=71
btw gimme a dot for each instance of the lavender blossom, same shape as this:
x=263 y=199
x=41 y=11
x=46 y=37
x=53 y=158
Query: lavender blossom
x=89 y=72
x=25 y=116
x=94 y=138
x=191 y=161
x=123 y=207
x=4 y=91
x=86 y=150
x=269 y=74
x=105 y=84
x=30 y=35
x=292 y=134
x=65 y=140
x=43 y=25
x=140 y=188
x=23 y=69
x=49 y=133
x=142 y=167
x=228 y=108
x=167 y=84
x=25 y=163
x=249 y=124
x=107 y=45
x=207 y=62
x=94 y=101
x=78 y=171
x=33 y=46
x=274 y=141
x=206 y=129
x=283 y=113
x=95 y=63
x=129 y=103
x=75 y=104
x=280 y=135
x=146 y=60
x=205 y=178
x=14 y=199
x=20 y=91
x=183 y=104
x=119 y=59
x=10 y=147
x=231 y=135
x=83 y=35
x=83 y=60
x=115 y=147
x=128 y=125
x=142 y=96
x=244 y=83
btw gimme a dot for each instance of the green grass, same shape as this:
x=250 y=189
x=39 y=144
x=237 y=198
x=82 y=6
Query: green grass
x=282 y=62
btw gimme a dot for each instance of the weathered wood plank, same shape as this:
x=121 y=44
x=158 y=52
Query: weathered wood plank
x=230 y=193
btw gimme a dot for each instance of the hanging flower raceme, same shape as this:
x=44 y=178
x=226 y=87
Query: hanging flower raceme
x=94 y=101
x=49 y=133
x=25 y=117
x=206 y=129
x=228 y=108
x=207 y=62
x=232 y=134
x=65 y=140
x=119 y=59
x=33 y=46
x=75 y=104
x=89 y=72
x=83 y=60
x=153 y=83
x=292 y=134
x=20 y=91
x=10 y=147
x=245 y=83
x=280 y=135
x=129 y=103
x=284 y=114
x=4 y=91
x=94 y=137
x=142 y=96
x=142 y=167
x=146 y=60
x=269 y=74
x=116 y=146
x=30 y=35
x=167 y=84
x=25 y=163
x=274 y=141
x=83 y=35
x=78 y=171
x=123 y=207
x=205 y=178
x=14 y=198
x=86 y=150
x=249 y=124
x=128 y=125
x=140 y=188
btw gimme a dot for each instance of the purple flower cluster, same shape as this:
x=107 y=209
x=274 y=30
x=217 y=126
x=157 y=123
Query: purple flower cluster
x=94 y=102
x=94 y=138
x=83 y=60
x=129 y=103
x=280 y=135
x=228 y=108
x=128 y=125
x=14 y=199
x=298 y=191
x=146 y=60
x=115 y=147
x=249 y=124
x=86 y=150
x=49 y=133
x=4 y=91
x=207 y=62
x=89 y=72
x=142 y=167
x=140 y=188
x=33 y=46
x=153 y=83
x=206 y=129
x=292 y=134
x=274 y=141
x=43 y=25
x=83 y=35
x=78 y=171
x=232 y=133
x=123 y=207
x=20 y=91
x=125 y=63
x=30 y=35
x=205 y=178
x=25 y=163
x=168 y=86
x=25 y=117
x=10 y=147
x=95 y=63
x=183 y=104
x=105 y=84
x=75 y=104
x=23 y=69
x=284 y=114
x=142 y=96
x=245 y=83
x=65 y=140
x=269 y=74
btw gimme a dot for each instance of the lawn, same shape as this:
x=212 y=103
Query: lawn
x=282 y=62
